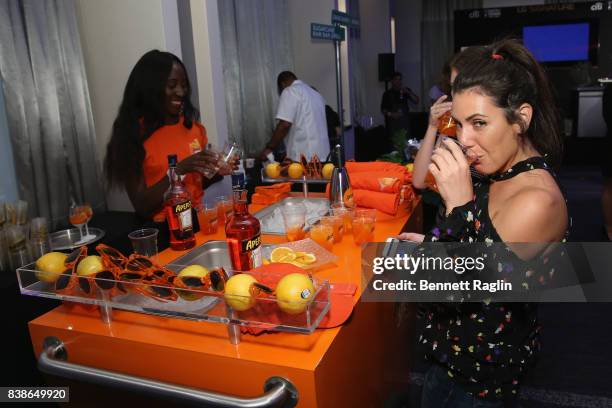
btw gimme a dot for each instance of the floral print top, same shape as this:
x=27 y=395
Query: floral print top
x=484 y=346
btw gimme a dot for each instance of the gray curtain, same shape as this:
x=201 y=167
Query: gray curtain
x=256 y=41
x=356 y=72
x=438 y=39
x=48 y=108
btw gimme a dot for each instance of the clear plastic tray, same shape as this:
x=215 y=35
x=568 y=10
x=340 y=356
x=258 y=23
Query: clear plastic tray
x=170 y=301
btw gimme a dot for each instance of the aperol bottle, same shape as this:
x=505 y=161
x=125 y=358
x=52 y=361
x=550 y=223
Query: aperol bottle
x=243 y=233
x=177 y=204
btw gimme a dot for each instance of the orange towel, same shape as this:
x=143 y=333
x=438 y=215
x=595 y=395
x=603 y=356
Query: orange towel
x=259 y=198
x=274 y=188
x=377 y=181
x=392 y=169
x=385 y=202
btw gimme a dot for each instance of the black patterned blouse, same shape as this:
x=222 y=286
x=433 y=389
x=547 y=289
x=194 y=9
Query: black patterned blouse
x=485 y=347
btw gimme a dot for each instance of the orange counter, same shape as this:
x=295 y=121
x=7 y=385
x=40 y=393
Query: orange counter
x=345 y=366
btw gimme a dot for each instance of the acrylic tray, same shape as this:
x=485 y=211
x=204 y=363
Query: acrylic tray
x=171 y=302
x=266 y=214
x=324 y=257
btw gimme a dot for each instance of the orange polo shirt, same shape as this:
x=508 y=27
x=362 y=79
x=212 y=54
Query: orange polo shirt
x=174 y=139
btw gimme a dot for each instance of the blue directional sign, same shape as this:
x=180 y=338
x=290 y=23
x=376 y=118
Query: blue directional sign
x=338 y=17
x=326 y=32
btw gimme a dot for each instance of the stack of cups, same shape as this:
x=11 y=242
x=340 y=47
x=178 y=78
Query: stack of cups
x=17 y=246
x=39 y=243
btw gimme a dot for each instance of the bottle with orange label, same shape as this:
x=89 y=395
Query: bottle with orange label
x=243 y=233
x=177 y=204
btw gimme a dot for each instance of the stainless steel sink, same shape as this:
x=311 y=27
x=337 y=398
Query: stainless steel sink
x=211 y=254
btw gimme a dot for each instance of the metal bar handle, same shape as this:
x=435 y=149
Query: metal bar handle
x=278 y=391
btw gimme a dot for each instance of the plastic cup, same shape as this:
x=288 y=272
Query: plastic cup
x=144 y=241
x=337 y=224
x=294 y=218
x=364 y=224
x=208 y=218
x=16 y=241
x=347 y=215
x=321 y=234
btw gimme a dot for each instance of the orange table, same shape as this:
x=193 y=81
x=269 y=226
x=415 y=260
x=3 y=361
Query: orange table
x=344 y=366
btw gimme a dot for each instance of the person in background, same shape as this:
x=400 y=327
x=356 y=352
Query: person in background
x=506 y=118
x=301 y=120
x=333 y=127
x=439 y=108
x=156 y=118
x=394 y=105
x=442 y=87
x=606 y=197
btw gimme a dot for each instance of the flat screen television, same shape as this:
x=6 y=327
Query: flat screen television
x=563 y=43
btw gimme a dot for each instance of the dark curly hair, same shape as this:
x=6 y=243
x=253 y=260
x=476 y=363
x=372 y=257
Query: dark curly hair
x=141 y=113
x=508 y=73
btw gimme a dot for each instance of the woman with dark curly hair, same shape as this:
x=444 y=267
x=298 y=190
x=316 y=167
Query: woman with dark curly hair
x=156 y=118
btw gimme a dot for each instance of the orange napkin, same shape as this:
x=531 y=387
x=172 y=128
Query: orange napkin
x=274 y=188
x=385 y=202
x=376 y=181
x=379 y=168
x=341 y=301
x=259 y=198
x=271 y=194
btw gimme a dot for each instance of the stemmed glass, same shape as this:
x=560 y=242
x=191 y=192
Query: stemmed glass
x=79 y=215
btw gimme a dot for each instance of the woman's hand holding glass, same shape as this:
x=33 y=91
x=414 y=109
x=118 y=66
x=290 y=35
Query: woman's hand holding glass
x=451 y=170
x=204 y=162
x=438 y=109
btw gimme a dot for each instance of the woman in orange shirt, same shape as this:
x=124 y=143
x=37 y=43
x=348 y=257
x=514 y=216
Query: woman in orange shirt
x=156 y=118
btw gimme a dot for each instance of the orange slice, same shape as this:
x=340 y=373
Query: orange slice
x=282 y=254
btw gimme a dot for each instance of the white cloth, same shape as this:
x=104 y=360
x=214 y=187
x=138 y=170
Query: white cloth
x=304 y=108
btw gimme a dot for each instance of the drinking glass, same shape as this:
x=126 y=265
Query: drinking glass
x=447 y=125
x=364 y=224
x=430 y=180
x=347 y=215
x=39 y=243
x=294 y=217
x=210 y=173
x=208 y=218
x=79 y=215
x=17 y=249
x=337 y=224
x=225 y=208
x=144 y=241
x=231 y=151
x=321 y=234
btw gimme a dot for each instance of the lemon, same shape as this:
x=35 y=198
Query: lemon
x=410 y=167
x=273 y=170
x=296 y=170
x=194 y=271
x=327 y=170
x=238 y=292
x=293 y=292
x=89 y=265
x=51 y=266
x=282 y=254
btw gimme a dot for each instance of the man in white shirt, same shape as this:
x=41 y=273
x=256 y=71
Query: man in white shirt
x=301 y=120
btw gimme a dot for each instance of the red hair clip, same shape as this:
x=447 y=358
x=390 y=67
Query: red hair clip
x=497 y=56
